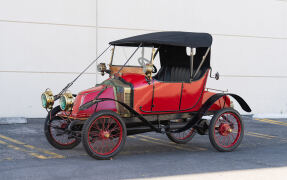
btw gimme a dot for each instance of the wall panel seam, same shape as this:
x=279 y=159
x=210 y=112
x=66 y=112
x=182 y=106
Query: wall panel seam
x=134 y=29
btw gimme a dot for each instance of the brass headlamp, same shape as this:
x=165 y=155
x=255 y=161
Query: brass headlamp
x=147 y=69
x=66 y=101
x=47 y=99
x=102 y=68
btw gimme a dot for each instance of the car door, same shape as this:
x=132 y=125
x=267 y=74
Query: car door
x=192 y=94
x=166 y=96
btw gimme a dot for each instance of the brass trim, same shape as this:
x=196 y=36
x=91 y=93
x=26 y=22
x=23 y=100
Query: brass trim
x=112 y=57
x=70 y=117
x=116 y=98
x=122 y=93
x=149 y=67
x=153 y=52
x=49 y=99
x=127 y=100
x=69 y=99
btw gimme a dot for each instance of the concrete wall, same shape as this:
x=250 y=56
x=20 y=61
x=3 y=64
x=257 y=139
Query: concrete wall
x=46 y=43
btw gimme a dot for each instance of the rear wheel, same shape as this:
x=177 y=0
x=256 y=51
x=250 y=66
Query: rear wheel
x=56 y=132
x=226 y=130
x=182 y=137
x=104 y=135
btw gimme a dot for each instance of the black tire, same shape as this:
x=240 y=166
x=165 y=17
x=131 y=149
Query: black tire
x=181 y=139
x=222 y=126
x=53 y=138
x=104 y=133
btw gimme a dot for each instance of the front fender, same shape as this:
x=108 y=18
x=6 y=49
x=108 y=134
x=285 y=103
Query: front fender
x=131 y=110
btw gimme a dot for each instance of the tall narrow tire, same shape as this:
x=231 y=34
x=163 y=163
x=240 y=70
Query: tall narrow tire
x=104 y=135
x=226 y=130
x=55 y=131
x=182 y=137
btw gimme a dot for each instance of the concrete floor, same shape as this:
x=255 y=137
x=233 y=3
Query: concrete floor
x=26 y=154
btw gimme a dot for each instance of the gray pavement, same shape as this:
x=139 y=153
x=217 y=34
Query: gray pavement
x=25 y=154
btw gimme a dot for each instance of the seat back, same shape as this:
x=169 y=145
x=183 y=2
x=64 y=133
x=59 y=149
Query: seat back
x=173 y=74
x=177 y=74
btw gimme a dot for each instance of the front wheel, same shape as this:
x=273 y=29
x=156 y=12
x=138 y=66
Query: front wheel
x=56 y=132
x=104 y=135
x=226 y=130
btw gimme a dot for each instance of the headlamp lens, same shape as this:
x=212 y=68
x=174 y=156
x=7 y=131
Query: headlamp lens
x=44 y=100
x=63 y=103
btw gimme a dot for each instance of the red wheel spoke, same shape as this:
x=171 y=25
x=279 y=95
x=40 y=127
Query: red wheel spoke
x=224 y=138
x=103 y=146
x=115 y=135
x=109 y=134
x=103 y=124
x=112 y=142
x=183 y=135
x=221 y=139
x=232 y=135
x=95 y=134
x=227 y=129
x=114 y=128
x=109 y=123
x=228 y=139
x=97 y=126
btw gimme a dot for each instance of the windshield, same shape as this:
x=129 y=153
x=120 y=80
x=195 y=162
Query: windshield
x=143 y=54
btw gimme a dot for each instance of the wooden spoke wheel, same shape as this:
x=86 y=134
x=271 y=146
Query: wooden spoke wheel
x=55 y=129
x=226 y=130
x=182 y=137
x=104 y=135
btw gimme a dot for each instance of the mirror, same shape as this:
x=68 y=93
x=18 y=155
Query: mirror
x=216 y=76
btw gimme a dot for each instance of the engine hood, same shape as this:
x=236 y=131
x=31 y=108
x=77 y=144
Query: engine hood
x=111 y=88
x=100 y=91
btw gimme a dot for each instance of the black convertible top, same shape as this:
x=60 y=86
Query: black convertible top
x=169 y=38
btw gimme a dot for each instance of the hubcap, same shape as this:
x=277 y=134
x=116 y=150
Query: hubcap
x=105 y=134
x=224 y=129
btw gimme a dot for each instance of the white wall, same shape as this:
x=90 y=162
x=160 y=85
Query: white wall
x=46 y=43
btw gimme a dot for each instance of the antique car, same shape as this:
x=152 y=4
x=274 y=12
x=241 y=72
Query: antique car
x=139 y=98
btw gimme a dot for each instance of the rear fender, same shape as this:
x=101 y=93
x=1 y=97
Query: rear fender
x=215 y=97
x=207 y=105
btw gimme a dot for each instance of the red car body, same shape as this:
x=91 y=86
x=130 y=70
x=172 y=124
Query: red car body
x=156 y=98
x=138 y=99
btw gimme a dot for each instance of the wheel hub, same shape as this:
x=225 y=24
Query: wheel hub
x=64 y=125
x=225 y=129
x=105 y=134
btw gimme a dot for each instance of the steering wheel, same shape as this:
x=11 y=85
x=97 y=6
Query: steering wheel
x=143 y=61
